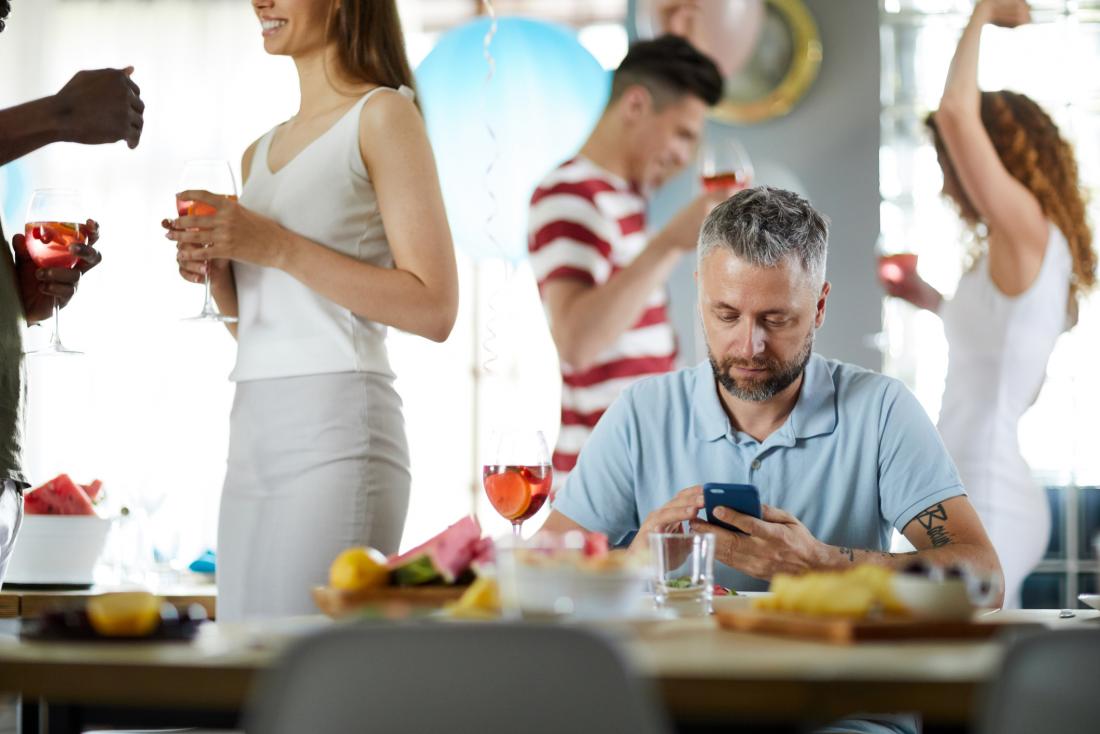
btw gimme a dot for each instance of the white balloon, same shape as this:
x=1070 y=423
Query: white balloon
x=725 y=30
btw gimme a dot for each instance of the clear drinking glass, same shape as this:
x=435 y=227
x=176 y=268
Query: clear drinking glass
x=724 y=165
x=55 y=222
x=517 y=474
x=684 y=568
x=216 y=177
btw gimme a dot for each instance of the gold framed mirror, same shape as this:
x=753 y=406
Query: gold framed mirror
x=781 y=69
x=768 y=50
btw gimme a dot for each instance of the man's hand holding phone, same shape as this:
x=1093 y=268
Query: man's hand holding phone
x=775 y=542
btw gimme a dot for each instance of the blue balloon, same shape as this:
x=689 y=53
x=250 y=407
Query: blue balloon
x=13 y=195
x=546 y=94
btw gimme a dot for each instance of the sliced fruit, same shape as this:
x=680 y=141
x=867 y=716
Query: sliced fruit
x=481 y=600
x=358 y=568
x=59 y=496
x=35 y=503
x=509 y=493
x=124 y=613
x=445 y=557
x=596 y=545
x=93 y=490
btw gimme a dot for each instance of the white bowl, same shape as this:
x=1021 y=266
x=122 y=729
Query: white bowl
x=57 y=549
x=945 y=600
x=580 y=593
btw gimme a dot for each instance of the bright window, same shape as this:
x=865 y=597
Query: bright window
x=1048 y=61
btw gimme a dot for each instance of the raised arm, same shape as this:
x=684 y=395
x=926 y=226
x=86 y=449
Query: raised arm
x=586 y=318
x=1012 y=213
x=95 y=107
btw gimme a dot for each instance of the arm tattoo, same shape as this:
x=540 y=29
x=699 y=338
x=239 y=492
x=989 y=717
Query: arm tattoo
x=931 y=520
x=848 y=552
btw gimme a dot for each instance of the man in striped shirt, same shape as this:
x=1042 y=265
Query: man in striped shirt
x=600 y=274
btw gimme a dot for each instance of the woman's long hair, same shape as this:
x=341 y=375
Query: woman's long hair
x=369 y=42
x=1035 y=154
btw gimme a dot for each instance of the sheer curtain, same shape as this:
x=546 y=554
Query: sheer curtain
x=146 y=408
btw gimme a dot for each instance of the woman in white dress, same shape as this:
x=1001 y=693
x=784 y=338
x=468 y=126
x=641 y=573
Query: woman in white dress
x=1014 y=180
x=340 y=233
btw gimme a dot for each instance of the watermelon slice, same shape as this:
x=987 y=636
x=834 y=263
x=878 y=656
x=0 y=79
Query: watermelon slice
x=93 y=490
x=445 y=557
x=59 y=496
x=35 y=503
x=484 y=551
x=596 y=545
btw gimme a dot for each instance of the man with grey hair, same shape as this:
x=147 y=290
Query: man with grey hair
x=839 y=454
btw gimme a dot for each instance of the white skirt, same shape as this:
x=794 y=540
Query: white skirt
x=316 y=464
x=1016 y=516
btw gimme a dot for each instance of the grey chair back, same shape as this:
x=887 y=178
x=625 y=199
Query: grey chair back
x=453 y=678
x=1050 y=682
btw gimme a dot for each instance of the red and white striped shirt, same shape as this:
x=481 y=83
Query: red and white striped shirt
x=587 y=224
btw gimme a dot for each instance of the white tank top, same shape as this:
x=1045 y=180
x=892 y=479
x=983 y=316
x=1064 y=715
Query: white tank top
x=998 y=352
x=324 y=194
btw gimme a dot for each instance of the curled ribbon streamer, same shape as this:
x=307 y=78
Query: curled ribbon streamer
x=488 y=345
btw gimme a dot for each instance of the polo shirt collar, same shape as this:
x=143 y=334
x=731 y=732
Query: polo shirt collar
x=814 y=414
x=709 y=421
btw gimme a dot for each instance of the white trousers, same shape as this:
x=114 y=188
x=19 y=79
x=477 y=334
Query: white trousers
x=316 y=464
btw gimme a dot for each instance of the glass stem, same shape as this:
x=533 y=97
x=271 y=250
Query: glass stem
x=515 y=529
x=55 y=340
x=208 y=304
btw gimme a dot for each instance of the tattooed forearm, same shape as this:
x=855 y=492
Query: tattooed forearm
x=932 y=521
x=892 y=556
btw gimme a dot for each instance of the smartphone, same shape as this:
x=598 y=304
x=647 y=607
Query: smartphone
x=744 y=498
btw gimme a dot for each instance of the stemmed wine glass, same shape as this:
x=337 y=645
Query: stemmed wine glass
x=216 y=177
x=724 y=165
x=55 y=220
x=517 y=474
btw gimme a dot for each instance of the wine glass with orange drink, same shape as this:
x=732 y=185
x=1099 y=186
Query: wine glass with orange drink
x=517 y=474
x=53 y=227
x=216 y=177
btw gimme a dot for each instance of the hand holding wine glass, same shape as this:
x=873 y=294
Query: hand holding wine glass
x=897 y=273
x=56 y=248
x=40 y=287
x=233 y=232
x=216 y=177
x=517 y=474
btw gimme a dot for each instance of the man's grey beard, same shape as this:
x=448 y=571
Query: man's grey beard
x=781 y=375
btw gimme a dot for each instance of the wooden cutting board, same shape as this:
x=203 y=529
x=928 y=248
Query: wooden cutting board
x=337 y=603
x=845 y=630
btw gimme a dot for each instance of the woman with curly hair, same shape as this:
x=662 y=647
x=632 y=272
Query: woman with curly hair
x=1014 y=181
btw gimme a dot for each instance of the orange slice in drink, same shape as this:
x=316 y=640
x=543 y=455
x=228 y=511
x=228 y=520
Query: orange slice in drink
x=509 y=493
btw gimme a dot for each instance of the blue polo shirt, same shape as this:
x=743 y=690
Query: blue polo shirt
x=857 y=456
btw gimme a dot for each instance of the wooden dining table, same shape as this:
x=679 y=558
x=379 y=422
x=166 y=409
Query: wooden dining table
x=29 y=603
x=706 y=675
